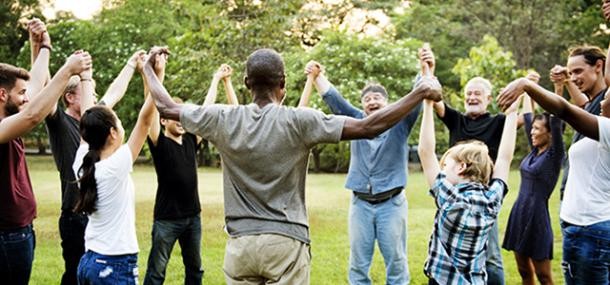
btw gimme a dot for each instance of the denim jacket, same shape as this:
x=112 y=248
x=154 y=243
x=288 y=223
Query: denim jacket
x=380 y=164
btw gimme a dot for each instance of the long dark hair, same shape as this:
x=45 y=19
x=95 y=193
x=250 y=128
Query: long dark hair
x=95 y=127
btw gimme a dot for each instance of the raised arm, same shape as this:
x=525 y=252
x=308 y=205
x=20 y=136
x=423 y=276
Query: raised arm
x=507 y=143
x=528 y=117
x=155 y=127
x=427 y=63
x=427 y=144
x=383 y=119
x=579 y=119
x=140 y=130
x=223 y=72
x=229 y=91
x=167 y=108
x=87 y=99
x=331 y=96
x=39 y=73
x=559 y=77
x=37 y=109
x=312 y=70
x=118 y=87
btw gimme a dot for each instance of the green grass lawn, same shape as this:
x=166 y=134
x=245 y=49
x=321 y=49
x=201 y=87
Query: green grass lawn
x=327 y=202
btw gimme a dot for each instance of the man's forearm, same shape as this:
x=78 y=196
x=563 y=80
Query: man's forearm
x=39 y=73
x=385 y=118
x=118 y=87
x=547 y=100
x=165 y=105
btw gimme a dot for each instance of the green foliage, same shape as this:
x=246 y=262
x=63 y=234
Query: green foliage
x=13 y=32
x=490 y=61
x=350 y=62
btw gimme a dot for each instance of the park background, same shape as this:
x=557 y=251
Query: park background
x=356 y=41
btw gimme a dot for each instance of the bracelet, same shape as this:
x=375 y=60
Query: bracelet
x=86 y=79
x=46 y=46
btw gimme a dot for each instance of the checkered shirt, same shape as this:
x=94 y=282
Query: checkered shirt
x=466 y=213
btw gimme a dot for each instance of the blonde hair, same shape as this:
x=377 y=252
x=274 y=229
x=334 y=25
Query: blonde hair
x=475 y=155
x=70 y=88
x=487 y=87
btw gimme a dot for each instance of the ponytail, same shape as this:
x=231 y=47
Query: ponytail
x=95 y=126
x=88 y=186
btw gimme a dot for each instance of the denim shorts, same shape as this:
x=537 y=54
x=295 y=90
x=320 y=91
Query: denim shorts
x=95 y=268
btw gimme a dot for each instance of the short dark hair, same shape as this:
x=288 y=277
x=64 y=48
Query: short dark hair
x=265 y=70
x=374 y=87
x=591 y=54
x=9 y=75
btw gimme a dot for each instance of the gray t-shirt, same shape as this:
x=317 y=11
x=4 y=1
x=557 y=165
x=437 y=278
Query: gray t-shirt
x=265 y=153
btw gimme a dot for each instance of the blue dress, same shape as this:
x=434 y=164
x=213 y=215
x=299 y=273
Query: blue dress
x=529 y=231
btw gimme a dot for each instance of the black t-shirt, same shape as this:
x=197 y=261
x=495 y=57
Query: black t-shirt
x=64 y=137
x=176 y=167
x=485 y=128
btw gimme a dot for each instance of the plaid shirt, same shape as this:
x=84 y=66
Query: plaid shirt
x=466 y=212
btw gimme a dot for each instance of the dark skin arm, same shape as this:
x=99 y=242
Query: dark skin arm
x=167 y=108
x=579 y=119
x=385 y=118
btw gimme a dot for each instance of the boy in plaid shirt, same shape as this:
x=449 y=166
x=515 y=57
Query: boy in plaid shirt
x=467 y=201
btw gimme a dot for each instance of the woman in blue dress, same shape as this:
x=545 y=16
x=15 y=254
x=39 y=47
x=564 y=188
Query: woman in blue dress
x=529 y=233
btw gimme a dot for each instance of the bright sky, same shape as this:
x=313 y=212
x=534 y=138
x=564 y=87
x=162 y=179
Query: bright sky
x=83 y=9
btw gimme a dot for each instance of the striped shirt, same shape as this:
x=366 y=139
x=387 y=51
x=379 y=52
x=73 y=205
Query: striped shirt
x=466 y=213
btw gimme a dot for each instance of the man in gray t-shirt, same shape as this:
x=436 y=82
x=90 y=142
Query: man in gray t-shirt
x=265 y=148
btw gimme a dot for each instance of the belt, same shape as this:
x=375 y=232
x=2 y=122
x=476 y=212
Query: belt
x=379 y=198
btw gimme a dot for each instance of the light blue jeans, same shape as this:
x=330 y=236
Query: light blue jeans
x=385 y=222
x=586 y=254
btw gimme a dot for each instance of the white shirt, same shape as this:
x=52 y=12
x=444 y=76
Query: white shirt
x=112 y=227
x=587 y=195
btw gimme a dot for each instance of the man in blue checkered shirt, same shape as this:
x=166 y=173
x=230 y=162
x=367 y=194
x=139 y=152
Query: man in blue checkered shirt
x=467 y=206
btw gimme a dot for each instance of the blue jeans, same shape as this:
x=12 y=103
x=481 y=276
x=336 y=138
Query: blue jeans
x=16 y=255
x=493 y=265
x=72 y=232
x=385 y=222
x=164 y=235
x=586 y=253
x=99 y=269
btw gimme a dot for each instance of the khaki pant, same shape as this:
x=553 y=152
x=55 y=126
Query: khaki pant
x=266 y=259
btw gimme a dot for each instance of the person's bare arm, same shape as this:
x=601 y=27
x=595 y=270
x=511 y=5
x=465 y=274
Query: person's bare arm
x=118 y=87
x=167 y=108
x=140 y=130
x=155 y=127
x=506 y=149
x=427 y=145
x=320 y=82
x=427 y=62
x=87 y=99
x=37 y=109
x=579 y=119
x=312 y=70
x=383 y=119
x=226 y=82
x=559 y=77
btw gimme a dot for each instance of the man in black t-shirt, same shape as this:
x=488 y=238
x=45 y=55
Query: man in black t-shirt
x=64 y=136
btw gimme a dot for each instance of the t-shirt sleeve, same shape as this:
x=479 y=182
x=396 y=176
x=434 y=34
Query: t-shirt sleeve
x=78 y=158
x=121 y=160
x=451 y=117
x=199 y=120
x=497 y=189
x=316 y=127
x=603 y=124
x=442 y=190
